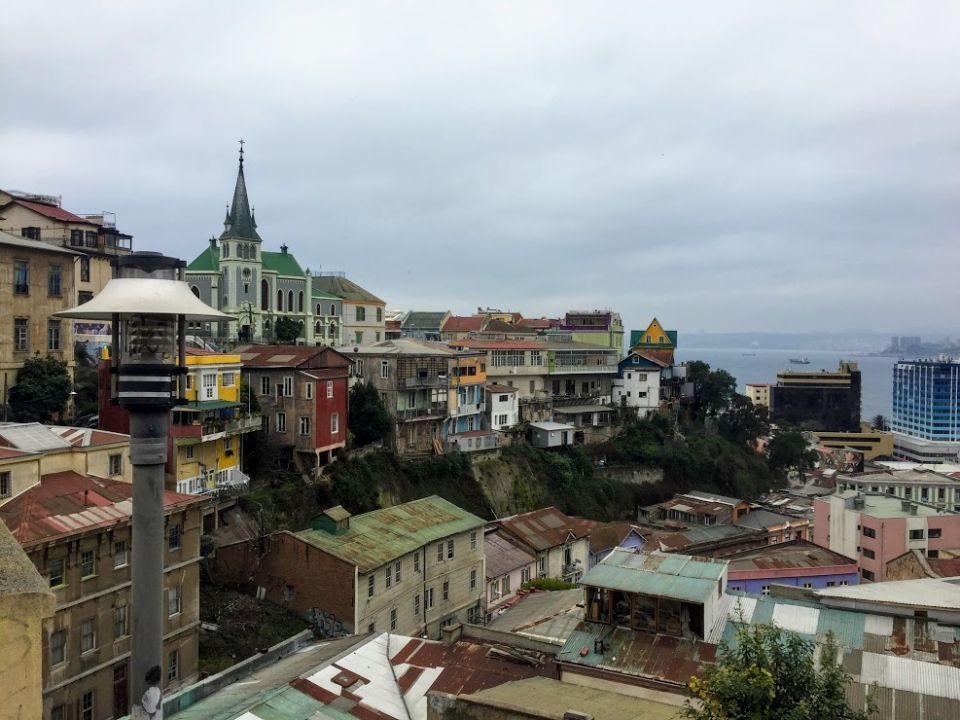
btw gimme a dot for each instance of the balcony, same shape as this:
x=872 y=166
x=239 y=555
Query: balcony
x=438 y=410
x=558 y=369
x=424 y=381
x=245 y=424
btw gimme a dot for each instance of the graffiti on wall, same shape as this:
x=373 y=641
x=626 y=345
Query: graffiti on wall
x=325 y=624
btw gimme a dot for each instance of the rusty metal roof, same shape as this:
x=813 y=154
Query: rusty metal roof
x=544 y=528
x=682 y=577
x=378 y=537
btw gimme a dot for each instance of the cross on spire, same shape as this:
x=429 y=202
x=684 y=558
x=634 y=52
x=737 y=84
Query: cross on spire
x=242 y=143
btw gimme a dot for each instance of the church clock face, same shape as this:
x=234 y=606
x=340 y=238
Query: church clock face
x=246 y=272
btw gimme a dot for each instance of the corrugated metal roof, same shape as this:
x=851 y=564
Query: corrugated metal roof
x=378 y=537
x=926 y=592
x=656 y=573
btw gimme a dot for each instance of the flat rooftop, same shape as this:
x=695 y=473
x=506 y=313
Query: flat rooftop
x=887 y=506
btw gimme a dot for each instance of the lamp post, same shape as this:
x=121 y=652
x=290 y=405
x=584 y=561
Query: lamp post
x=149 y=304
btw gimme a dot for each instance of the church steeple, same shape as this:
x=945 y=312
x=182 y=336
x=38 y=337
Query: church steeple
x=239 y=222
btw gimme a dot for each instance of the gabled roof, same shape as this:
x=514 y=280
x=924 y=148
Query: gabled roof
x=282 y=263
x=67 y=502
x=427 y=320
x=793 y=555
x=291 y=356
x=461 y=323
x=647 y=360
x=504 y=554
x=345 y=288
x=544 y=528
x=381 y=536
x=51 y=211
x=495 y=325
x=761 y=519
x=207 y=261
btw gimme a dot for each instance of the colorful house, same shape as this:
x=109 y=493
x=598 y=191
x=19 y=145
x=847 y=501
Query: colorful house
x=654 y=341
x=637 y=385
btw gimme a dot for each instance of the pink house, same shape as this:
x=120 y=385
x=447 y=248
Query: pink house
x=874 y=529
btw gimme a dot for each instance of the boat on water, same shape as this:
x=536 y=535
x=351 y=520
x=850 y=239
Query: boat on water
x=800 y=361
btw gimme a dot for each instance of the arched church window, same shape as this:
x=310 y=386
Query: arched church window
x=195 y=290
x=290 y=301
x=300 y=302
x=279 y=300
x=225 y=249
x=264 y=295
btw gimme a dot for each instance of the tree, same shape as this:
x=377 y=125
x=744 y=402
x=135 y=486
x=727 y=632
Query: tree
x=768 y=675
x=788 y=450
x=744 y=421
x=42 y=389
x=879 y=422
x=287 y=330
x=368 y=419
x=714 y=390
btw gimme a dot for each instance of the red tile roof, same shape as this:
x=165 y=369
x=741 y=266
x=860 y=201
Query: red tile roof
x=67 y=502
x=279 y=356
x=52 y=211
x=6 y=452
x=460 y=323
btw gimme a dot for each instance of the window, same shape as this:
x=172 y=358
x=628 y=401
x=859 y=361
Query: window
x=21 y=335
x=525 y=575
x=53 y=280
x=542 y=565
x=429 y=599
x=288 y=386
x=304 y=425
x=21 y=277
x=308 y=391
x=361 y=314
x=88 y=635
x=393 y=619
x=533 y=386
x=53 y=335
x=173 y=665
x=869 y=532
x=228 y=379
x=494 y=590
x=449 y=549
x=388 y=577
x=189 y=452
x=280 y=421
x=869 y=554
x=866 y=574
x=372 y=627
x=446 y=589
x=371 y=583
x=384 y=365
x=934 y=554
x=86 y=564
x=808 y=585
x=329 y=389
x=416 y=561
x=5 y=484
x=917 y=534
x=115 y=463
x=765 y=590
x=173 y=600
x=84 y=269
x=300 y=301
x=174 y=539
x=416 y=605
x=86 y=706
x=358 y=368
x=55 y=568
x=58 y=647
x=334 y=423
x=439 y=552
x=933 y=534
x=264 y=384
x=31 y=233
x=502 y=419
x=379 y=314
x=120 y=622
x=396 y=571
x=358 y=337
x=473 y=579
x=505 y=585
x=473 y=539
x=209 y=381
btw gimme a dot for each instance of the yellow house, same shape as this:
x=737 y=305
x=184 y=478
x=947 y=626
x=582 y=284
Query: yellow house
x=654 y=341
x=207 y=432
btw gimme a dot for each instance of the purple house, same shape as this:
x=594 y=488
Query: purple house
x=798 y=563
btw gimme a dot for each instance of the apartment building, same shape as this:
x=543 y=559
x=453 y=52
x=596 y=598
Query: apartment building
x=302 y=393
x=599 y=327
x=409 y=569
x=560 y=543
x=637 y=384
x=36 y=281
x=915 y=482
x=926 y=410
x=874 y=529
x=435 y=394
x=503 y=410
x=28 y=451
x=75 y=528
x=818 y=400
x=363 y=320
x=206 y=439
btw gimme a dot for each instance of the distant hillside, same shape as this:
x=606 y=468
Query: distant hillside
x=842 y=342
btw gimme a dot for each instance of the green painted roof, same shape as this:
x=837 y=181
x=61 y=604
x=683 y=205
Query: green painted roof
x=282 y=263
x=636 y=339
x=207 y=261
x=665 y=575
x=319 y=294
x=378 y=537
x=201 y=405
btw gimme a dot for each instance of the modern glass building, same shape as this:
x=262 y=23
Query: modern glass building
x=926 y=407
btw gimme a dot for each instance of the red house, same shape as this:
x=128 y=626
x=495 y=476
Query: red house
x=302 y=393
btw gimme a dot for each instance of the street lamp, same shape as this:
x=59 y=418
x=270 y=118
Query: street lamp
x=149 y=304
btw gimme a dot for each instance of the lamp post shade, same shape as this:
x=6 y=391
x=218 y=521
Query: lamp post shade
x=144 y=296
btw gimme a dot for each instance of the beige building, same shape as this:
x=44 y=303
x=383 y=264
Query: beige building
x=560 y=543
x=76 y=531
x=25 y=602
x=28 y=451
x=758 y=393
x=409 y=569
x=36 y=280
x=363 y=312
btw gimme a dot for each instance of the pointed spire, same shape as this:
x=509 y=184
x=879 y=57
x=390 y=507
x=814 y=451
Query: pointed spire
x=239 y=222
x=253 y=216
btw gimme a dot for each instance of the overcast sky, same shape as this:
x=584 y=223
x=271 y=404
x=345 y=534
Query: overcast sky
x=723 y=166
